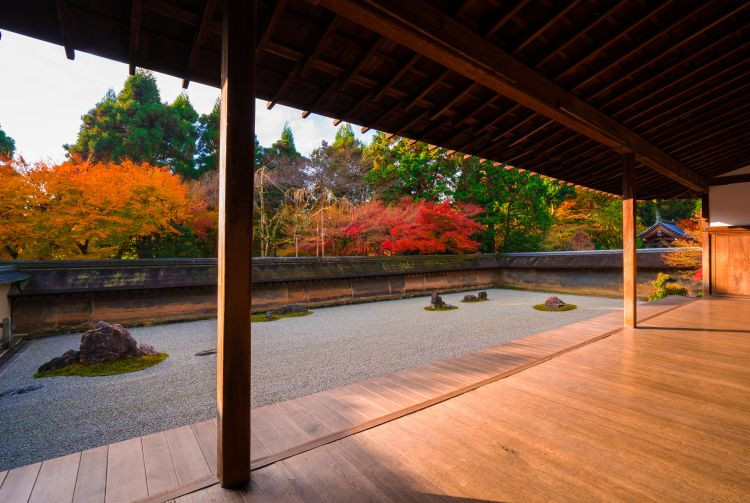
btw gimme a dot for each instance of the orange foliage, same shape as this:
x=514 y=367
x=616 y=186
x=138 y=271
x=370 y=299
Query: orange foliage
x=82 y=209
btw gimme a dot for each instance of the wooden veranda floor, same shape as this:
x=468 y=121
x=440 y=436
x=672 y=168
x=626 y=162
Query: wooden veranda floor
x=585 y=411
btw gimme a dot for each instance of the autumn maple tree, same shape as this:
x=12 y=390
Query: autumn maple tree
x=84 y=209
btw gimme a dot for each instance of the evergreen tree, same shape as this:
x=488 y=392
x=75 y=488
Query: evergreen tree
x=135 y=125
x=342 y=166
x=7 y=145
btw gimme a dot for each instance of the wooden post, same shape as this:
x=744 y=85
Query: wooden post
x=706 y=238
x=629 y=259
x=236 y=159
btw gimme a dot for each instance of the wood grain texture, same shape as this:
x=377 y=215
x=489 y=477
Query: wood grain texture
x=606 y=421
x=629 y=258
x=92 y=476
x=730 y=262
x=236 y=158
x=126 y=472
x=157 y=458
x=56 y=480
x=19 y=482
x=169 y=465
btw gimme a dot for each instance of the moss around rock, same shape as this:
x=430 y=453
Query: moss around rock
x=566 y=307
x=443 y=308
x=262 y=318
x=107 y=368
x=475 y=301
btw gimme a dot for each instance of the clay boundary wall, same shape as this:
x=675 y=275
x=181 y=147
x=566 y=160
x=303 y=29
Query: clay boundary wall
x=71 y=295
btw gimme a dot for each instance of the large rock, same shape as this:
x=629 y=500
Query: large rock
x=554 y=302
x=68 y=358
x=436 y=301
x=287 y=309
x=107 y=342
x=470 y=298
x=482 y=295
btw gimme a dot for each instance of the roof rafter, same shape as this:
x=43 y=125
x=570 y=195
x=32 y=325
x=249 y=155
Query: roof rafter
x=63 y=18
x=134 y=44
x=419 y=25
x=200 y=38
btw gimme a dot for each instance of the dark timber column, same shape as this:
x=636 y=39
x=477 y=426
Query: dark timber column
x=235 y=195
x=706 y=237
x=629 y=260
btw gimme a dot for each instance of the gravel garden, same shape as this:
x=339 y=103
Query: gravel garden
x=292 y=356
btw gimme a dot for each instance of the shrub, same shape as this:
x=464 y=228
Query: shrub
x=664 y=286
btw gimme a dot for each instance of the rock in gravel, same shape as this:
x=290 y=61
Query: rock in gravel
x=470 y=298
x=436 y=301
x=554 y=302
x=288 y=309
x=482 y=295
x=206 y=352
x=107 y=342
x=68 y=358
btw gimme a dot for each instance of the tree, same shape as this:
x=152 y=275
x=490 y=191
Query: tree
x=7 y=145
x=666 y=209
x=517 y=208
x=19 y=201
x=598 y=216
x=413 y=227
x=342 y=166
x=135 y=125
x=96 y=210
x=402 y=168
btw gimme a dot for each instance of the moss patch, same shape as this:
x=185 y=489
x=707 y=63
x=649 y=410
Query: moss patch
x=444 y=308
x=566 y=307
x=474 y=301
x=261 y=317
x=107 y=368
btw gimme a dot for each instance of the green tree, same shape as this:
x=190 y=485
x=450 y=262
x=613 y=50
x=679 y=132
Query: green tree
x=342 y=166
x=401 y=168
x=517 y=207
x=7 y=145
x=667 y=209
x=136 y=125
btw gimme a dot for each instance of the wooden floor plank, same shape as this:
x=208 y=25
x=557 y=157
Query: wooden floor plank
x=56 y=480
x=625 y=418
x=189 y=462
x=205 y=434
x=92 y=476
x=19 y=482
x=126 y=472
x=160 y=470
x=641 y=381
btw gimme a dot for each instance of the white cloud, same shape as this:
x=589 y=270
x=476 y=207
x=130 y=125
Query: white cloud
x=43 y=96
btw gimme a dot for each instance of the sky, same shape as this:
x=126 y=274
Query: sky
x=43 y=96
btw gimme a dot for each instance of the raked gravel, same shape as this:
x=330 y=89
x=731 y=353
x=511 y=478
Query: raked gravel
x=291 y=357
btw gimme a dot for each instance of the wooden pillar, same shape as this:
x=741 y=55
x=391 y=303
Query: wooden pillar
x=706 y=238
x=629 y=259
x=236 y=155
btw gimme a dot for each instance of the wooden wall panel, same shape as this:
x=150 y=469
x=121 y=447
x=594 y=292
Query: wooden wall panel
x=730 y=253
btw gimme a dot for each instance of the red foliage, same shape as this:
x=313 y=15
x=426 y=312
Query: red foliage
x=420 y=227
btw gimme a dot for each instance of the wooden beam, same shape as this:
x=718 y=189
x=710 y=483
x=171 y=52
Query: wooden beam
x=63 y=19
x=729 y=179
x=200 y=38
x=135 y=35
x=270 y=27
x=422 y=27
x=236 y=161
x=706 y=242
x=629 y=258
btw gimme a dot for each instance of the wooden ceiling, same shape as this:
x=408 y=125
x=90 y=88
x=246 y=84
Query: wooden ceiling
x=556 y=88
